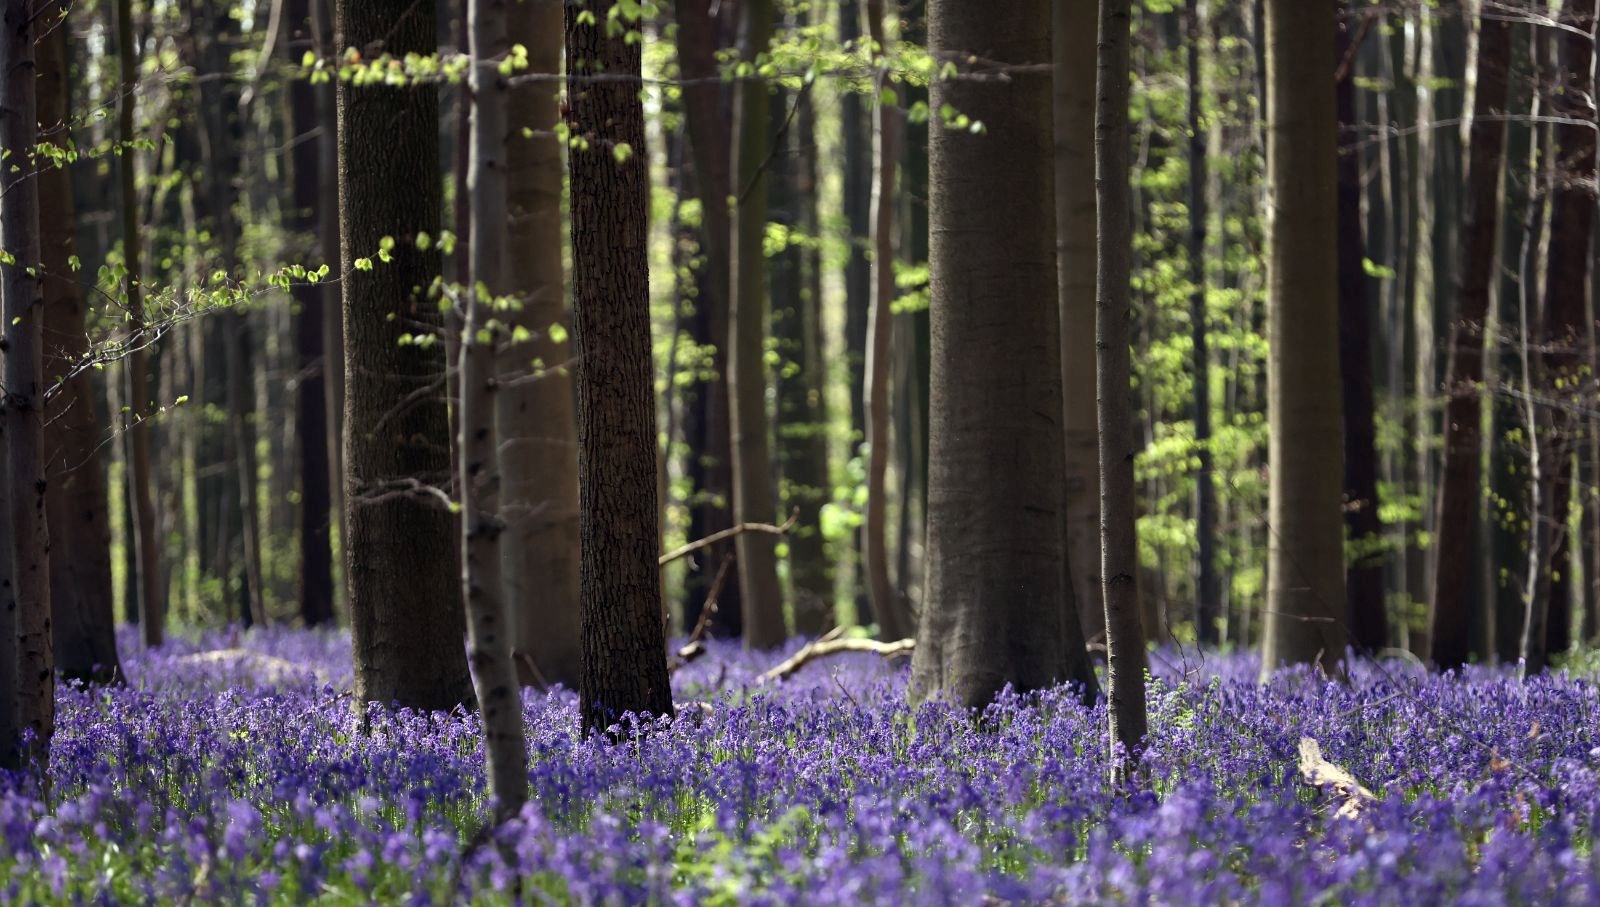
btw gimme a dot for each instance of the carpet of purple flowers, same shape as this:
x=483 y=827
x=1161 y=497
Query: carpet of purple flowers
x=247 y=778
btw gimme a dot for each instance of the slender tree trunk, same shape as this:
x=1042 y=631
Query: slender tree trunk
x=1567 y=277
x=1074 y=101
x=1305 y=570
x=747 y=380
x=535 y=415
x=856 y=136
x=894 y=621
x=24 y=379
x=624 y=652
x=1208 y=604
x=992 y=613
x=494 y=676
x=1462 y=484
x=1119 y=543
x=75 y=498
x=401 y=564
x=152 y=597
x=1365 y=610
x=706 y=115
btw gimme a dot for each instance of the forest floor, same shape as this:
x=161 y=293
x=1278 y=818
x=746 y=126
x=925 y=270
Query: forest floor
x=246 y=778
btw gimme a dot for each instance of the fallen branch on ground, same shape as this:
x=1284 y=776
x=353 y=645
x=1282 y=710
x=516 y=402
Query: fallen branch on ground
x=1331 y=779
x=832 y=645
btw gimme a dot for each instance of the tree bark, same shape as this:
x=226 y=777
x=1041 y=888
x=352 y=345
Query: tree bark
x=894 y=620
x=535 y=418
x=1461 y=487
x=992 y=612
x=81 y=594
x=28 y=547
x=1572 y=206
x=494 y=675
x=1305 y=584
x=753 y=501
x=624 y=651
x=1365 y=610
x=401 y=563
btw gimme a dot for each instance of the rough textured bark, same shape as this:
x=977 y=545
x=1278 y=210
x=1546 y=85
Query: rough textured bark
x=753 y=502
x=401 y=560
x=1208 y=593
x=81 y=595
x=1572 y=206
x=1305 y=585
x=992 y=613
x=28 y=546
x=624 y=651
x=894 y=619
x=1364 y=599
x=494 y=677
x=1462 y=475
x=707 y=116
x=535 y=415
x=313 y=365
x=152 y=593
x=1075 y=273
x=1119 y=542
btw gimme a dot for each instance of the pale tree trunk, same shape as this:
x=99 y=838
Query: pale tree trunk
x=401 y=560
x=494 y=676
x=1075 y=270
x=1119 y=542
x=1572 y=206
x=1462 y=482
x=75 y=498
x=24 y=378
x=894 y=620
x=747 y=378
x=1305 y=561
x=992 y=614
x=624 y=649
x=534 y=415
x=152 y=596
x=1208 y=592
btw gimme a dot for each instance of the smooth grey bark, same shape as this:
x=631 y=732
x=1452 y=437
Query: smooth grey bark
x=1073 y=109
x=494 y=676
x=992 y=614
x=81 y=595
x=535 y=414
x=401 y=560
x=1305 y=560
x=624 y=649
x=1119 y=541
x=753 y=498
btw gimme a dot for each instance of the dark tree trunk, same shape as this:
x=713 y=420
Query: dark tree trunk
x=1364 y=530
x=624 y=652
x=1458 y=498
x=857 y=139
x=992 y=614
x=1208 y=597
x=81 y=595
x=401 y=560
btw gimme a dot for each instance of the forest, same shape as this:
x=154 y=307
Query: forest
x=799 y=452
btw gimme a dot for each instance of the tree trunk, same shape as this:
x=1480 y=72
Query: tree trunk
x=706 y=115
x=1208 y=597
x=1572 y=206
x=75 y=499
x=747 y=379
x=1462 y=483
x=401 y=563
x=24 y=380
x=894 y=622
x=1305 y=582
x=992 y=614
x=1074 y=100
x=494 y=676
x=535 y=417
x=856 y=137
x=1119 y=543
x=1365 y=609
x=152 y=598
x=624 y=652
